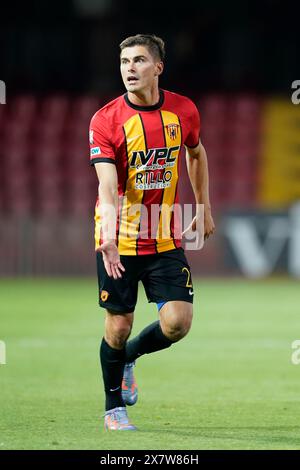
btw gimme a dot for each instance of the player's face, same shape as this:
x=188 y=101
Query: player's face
x=139 y=69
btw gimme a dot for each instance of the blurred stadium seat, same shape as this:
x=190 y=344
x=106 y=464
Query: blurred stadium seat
x=46 y=175
x=46 y=163
x=52 y=140
x=83 y=107
x=55 y=107
x=24 y=107
x=231 y=135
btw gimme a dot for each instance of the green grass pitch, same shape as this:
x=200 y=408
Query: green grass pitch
x=230 y=384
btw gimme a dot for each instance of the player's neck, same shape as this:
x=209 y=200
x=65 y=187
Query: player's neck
x=144 y=98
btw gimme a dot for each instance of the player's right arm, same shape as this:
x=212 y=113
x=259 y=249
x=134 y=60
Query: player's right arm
x=108 y=197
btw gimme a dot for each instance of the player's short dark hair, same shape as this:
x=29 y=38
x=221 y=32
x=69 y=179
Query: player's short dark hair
x=155 y=45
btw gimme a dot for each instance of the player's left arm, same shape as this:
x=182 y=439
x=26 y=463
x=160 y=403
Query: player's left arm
x=197 y=168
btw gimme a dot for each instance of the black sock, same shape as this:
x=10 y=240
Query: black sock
x=149 y=340
x=112 y=363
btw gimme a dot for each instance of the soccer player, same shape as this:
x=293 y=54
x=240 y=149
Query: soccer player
x=136 y=142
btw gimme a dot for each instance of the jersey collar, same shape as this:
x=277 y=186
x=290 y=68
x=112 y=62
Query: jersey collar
x=153 y=107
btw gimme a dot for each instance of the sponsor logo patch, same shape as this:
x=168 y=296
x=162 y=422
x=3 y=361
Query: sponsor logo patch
x=95 y=151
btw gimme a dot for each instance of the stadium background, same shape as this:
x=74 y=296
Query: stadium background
x=237 y=61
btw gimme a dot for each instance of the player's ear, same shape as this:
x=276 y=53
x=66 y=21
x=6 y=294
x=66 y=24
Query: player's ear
x=159 y=68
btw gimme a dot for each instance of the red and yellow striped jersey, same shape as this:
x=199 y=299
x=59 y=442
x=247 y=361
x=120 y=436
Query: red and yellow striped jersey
x=144 y=142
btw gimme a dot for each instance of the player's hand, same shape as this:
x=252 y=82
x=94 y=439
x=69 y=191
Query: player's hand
x=192 y=227
x=209 y=225
x=111 y=259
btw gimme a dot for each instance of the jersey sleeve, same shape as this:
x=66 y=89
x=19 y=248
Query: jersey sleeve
x=101 y=146
x=192 y=138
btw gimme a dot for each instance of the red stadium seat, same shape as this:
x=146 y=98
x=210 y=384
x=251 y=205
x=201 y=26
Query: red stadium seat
x=51 y=206
x=212 y=105
x=245 y=108
x=76 y=131
x=84 y=107
x=47 y=131
x=48 y=194
x=54 y=109
x=15 y=155
x=45 y=152
x=15 y=130
x=81 y=205
x=24 y=107
x=47 y=157
x=212 y=135
x=76 y=154
x=20 y=206
x=18 y=194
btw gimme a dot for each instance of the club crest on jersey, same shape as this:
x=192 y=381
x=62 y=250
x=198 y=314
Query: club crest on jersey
x=172 y=130
x=104 y=295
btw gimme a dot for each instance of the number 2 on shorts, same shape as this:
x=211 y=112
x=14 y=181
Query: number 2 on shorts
x=188 y=281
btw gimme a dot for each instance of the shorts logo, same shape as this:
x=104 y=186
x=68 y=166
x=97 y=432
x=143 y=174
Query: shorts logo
x=95 y=151
x=172 y=130
x=104 y=295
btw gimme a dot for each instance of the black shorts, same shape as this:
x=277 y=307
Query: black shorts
x=165 y=276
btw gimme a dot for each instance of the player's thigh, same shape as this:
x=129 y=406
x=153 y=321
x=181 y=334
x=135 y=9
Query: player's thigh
x=117 y=296
x=168 y=278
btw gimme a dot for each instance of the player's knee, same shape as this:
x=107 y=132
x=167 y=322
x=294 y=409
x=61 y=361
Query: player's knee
x=117 y=330
x=117 y=336
x=177 y=326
